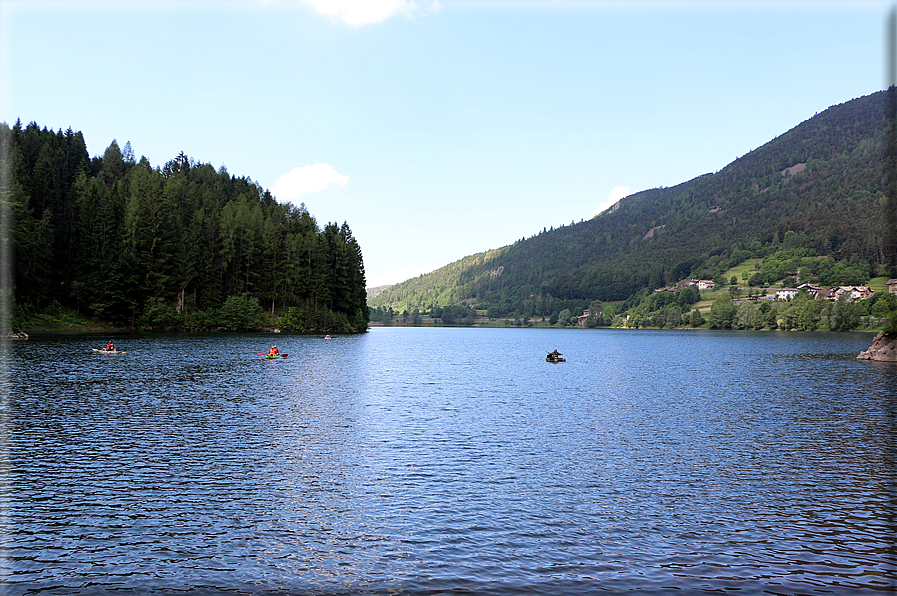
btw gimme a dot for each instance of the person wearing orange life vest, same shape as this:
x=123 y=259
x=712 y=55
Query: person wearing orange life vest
x=274 y=351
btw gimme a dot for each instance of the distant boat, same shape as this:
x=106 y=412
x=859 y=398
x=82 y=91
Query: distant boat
x=554 y=357
x=327 y=337
x=96 y=351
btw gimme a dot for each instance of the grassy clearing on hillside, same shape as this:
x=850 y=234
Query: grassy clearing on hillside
x=750 y=266
x=879 y=284
x=703 y=306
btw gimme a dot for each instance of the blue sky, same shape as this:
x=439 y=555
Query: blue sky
x=438 y=129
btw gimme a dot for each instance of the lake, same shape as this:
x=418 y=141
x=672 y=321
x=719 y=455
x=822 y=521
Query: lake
x=447 y=460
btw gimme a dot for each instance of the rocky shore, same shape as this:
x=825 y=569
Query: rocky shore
x=883 y=349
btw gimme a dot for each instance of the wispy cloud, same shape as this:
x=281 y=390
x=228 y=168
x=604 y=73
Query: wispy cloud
x=313 y=178
x=357 y=13
x=617 y=193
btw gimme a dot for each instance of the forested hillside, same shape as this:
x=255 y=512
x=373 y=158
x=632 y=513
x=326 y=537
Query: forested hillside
x=820 y=187
x=176 y=246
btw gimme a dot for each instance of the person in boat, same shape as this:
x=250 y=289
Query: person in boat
x=110 y=347
x=274 y=351
x=555 y=354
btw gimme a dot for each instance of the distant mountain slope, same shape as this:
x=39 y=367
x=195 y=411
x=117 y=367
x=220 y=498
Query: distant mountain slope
x=376 y=291
x=820 y=185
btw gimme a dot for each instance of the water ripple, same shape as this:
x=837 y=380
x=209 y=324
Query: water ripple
x=449 y=460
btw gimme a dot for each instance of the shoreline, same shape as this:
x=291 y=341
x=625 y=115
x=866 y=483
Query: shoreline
x=495 y=325
x=113 y=330
x=100 y=328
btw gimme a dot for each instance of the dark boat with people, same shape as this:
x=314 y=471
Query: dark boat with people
x=554 y=357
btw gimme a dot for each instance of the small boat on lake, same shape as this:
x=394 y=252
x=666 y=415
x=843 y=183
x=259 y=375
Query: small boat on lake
x=98 y=351
x=273 y=353
x=554 y=357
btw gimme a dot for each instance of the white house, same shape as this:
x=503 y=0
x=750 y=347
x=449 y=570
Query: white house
x=856 y=292
x=812 y=289
x=786 y=293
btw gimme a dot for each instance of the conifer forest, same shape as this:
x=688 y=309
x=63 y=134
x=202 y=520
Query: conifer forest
x=170 y=247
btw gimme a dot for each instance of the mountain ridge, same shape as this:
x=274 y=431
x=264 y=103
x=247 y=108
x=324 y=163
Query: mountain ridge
x=822 y=181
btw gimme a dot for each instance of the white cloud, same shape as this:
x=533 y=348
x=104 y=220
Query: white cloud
x=366 y=12
x=306 y=179
x=613 y=196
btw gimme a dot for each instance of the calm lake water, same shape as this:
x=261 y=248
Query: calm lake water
x=429 y=461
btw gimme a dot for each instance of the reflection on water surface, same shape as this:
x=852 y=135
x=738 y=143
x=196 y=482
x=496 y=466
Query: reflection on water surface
x=432 y=460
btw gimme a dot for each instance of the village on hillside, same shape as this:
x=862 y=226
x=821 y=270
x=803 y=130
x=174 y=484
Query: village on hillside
x=785 y=294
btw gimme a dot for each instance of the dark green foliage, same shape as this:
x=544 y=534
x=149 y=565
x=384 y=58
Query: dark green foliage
x=181 y=246
x=722 y=313
x=386 y=314
x=748 y=315
x=890 y=192
x=803 y=313
x=240 y=313
x=843 y=314
x=157 y=315
x=597 y=316
x=816 y=191
x=696 y=319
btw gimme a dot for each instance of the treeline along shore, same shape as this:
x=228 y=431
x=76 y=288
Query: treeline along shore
x=731 y=307
x=117 y=241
